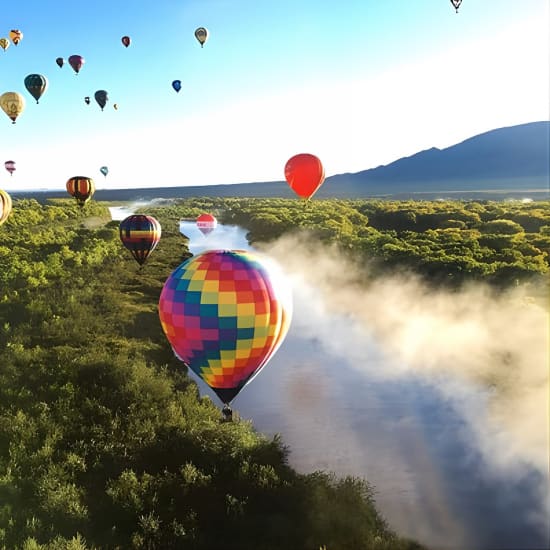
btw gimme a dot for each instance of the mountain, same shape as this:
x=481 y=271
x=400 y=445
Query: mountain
x=515 y=157
x=501 y=163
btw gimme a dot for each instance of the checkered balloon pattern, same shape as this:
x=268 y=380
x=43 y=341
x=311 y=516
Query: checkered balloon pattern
x=225 y=313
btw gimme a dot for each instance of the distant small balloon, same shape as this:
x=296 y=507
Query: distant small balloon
x=76 y=62
x=16 y=36
x=10 y=166
x=36 y=85
x=176 y=84
x=13 y=104
x=456 y=4
x=304 y=174
x=115 y=106
x=201 y=34
x=81 y=188
x=87 y=100
x=101 y=97
x=4 y=43
x=60 y=61
x=104 y=170
x=126 y=41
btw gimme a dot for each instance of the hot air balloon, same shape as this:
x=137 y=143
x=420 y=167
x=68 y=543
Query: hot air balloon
x=101 y=97
x=5 y=206
x=60 y=61
x=225 y=313
x=176 y=84
x=201 y=34
x=126 y=41
x=4 y=43
x=456 y=4
x=87 y=100
x=305 y=174
x=104 y=170
x=115 y=106
x=81 y=188
x=16 y=36
x=10 y=166
x=206 y=223
x=140 y=234
x=13 y=104
x=76 y=62
x=36 y=85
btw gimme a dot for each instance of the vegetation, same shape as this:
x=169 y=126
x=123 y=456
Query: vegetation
x=104 y=440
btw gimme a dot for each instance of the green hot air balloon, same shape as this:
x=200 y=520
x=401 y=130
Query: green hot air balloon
x=104 y=170
x=36 y=85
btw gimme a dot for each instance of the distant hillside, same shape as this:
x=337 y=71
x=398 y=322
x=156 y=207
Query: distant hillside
x=501 y=163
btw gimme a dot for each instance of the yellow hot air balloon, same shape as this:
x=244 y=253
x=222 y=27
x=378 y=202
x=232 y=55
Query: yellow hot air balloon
x=5 y=206
x=13 y=104
x=4 y=43
x=16 y=36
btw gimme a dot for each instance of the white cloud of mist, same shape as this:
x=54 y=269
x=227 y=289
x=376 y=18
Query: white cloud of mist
x=498 y=344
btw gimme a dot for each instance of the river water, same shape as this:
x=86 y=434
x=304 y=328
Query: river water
x=440 y=477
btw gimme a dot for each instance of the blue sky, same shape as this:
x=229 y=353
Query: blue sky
x=359 y=83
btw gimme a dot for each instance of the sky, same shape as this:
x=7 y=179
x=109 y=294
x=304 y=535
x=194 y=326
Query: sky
x=359 y=83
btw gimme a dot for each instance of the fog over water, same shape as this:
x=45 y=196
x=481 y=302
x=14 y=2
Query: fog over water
x=439 y=399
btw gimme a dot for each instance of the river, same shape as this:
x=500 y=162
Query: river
x=440 y=477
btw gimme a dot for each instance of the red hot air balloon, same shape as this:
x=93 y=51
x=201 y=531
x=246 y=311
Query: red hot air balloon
x=140 y=234
x=10 y=166
x=76 y=62
x=304 y=174
x=206 y=223
x=225 y=313
x=126 y=41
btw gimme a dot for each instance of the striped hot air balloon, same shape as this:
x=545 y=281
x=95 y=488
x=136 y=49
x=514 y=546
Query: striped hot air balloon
x=81 y=188
x=140 y=234
x=225 y=313
x=5 y=206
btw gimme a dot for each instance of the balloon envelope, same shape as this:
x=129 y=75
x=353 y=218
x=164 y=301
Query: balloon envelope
x=4 y=43
x=206 y=223
x=60 y=61
x=305 y=174
x=225 y=313
x=140 y=234
x=101 y=96
x=81 y=188
x=201 y=34
x=176 y=84
x=126 y=41
x=87 y=100
x=76 y=62
x=16 y=36
x=104 y=170
x=10 y=166
x=456 y=4
x=5 y=206
x=13 y=104
x=36 y=85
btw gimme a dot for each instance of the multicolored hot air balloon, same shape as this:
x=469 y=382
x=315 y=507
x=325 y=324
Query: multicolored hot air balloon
x=76 y=62
x=81 y=188
x=36 y=85
x=5 y=206
x=101 y=96
x=225 y=313
x=140 y=234
x=4 y=43
x=126 y=41
x=304 y=174
x=201 y=34
x=176 y=84
x=16 y=36
x=206 y=223
x=60 y=61
x=10 y=166
x=456 y=4
x=13 y=104
x=104 y=170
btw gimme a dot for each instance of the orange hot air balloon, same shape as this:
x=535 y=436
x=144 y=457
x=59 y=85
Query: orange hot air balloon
x=16 y=36
x=81 y=188
x=5 y=206
x=304 y=174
